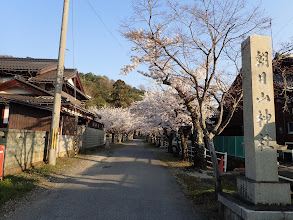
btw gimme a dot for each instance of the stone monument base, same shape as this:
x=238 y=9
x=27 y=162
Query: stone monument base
x=233 y=208
x=271 y=193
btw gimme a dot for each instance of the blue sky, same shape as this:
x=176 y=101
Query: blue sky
x=31 y=28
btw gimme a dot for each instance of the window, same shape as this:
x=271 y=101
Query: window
x=290 y=127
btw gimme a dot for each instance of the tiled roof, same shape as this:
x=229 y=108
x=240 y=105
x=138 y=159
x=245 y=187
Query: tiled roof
x=29 y=99
x=21 y=79
x=26 y=64
x=51 y=76
x=42 y=102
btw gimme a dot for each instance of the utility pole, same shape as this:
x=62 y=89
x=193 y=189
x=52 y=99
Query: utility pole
x=54 y=133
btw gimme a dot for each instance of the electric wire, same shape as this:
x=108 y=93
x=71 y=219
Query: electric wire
x=73 y=35
x=74 y=79
x=283 y=27
x=73 y=47
x=99 y=17
x=272 y=35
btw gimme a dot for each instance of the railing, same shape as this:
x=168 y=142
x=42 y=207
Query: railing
x=281 y=152
x=190 y=151
x=219 y=156
x=208 y=156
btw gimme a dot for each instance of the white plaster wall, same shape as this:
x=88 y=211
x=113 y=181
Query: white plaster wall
x=65 y=145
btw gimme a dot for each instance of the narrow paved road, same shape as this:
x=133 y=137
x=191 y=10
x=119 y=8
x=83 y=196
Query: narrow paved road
x=131 y=184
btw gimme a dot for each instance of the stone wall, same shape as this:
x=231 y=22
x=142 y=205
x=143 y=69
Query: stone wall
x=23 y=148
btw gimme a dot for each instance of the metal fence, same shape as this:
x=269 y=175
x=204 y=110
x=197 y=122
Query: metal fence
x=233 y=145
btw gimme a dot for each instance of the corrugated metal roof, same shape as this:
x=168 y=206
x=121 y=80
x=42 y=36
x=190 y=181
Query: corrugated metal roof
x=26 y=64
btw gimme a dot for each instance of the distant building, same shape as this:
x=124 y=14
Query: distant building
x=284 y=119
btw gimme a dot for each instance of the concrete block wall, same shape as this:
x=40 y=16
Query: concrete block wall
x=23 y=148
x=80 y=133
x=90 y=137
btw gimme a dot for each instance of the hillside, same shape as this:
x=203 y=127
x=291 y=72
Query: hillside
x=105 y=91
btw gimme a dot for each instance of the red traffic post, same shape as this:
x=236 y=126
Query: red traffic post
x=2 y=154
x=221 y=165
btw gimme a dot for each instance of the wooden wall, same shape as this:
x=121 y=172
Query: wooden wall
x=69 y=125
x=29 y=118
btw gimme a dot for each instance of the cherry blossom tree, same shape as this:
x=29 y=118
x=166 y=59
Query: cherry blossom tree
x=189 y=45
x=116 y=121
x=163 y=111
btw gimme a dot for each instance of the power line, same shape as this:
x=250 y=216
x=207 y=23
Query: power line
x=283 y=27
x=104 y=23
x=73 y=35
x=272 y=35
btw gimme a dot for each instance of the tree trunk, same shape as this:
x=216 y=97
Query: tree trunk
x=113 y=138
x=216 y=169
x=170 y=139
x=155 y=139
x=184 y=131
x=199 y=160
x=184 y=147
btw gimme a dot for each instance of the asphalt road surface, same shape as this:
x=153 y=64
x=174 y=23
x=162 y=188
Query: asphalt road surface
x=130 y=184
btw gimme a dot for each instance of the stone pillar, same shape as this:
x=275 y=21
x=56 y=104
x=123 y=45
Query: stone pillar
x=260 y=184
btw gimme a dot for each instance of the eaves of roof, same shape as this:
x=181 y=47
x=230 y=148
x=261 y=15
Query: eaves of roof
x=44 y=100
x=37 y=103
x=18 y=81
x=80 y=92
x=80 y=108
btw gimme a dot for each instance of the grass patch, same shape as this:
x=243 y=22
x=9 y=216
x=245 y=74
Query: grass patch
x=200 y=190
x=15 y=186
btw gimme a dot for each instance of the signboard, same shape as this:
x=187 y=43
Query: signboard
x=2 y=153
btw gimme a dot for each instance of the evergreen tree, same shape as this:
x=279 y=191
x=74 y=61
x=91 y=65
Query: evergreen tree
x=104 y=92
x=120 y=96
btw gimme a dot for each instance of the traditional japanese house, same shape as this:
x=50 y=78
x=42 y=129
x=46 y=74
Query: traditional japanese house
x=26 y=101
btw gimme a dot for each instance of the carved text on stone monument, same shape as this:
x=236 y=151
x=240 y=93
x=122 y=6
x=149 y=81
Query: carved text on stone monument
x=262 y=58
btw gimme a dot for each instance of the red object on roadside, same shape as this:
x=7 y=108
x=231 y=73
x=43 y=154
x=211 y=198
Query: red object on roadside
x=221 y=165
x=2 y=153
